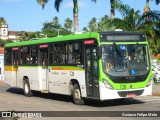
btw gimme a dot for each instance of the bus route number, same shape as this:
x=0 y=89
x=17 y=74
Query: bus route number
x=122 y=87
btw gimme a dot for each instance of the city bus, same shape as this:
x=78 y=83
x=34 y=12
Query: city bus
x=93 y=65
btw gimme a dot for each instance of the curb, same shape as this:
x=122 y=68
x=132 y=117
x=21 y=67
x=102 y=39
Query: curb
x=1 y=82
x=156 y=93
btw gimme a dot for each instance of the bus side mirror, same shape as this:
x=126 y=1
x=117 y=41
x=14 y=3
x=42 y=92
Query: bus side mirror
x=99 y=52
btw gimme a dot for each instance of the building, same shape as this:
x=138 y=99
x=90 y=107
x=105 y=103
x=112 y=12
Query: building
x=5 y=34
x=13 y=35
x=4 y=31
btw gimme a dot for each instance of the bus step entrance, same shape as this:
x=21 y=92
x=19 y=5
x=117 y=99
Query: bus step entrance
x=44 y=91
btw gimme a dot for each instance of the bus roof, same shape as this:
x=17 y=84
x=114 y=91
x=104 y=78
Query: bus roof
x=55 y=39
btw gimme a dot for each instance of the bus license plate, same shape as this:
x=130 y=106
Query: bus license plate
x=131 y=95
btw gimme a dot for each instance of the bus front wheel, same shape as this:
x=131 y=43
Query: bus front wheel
x=27 y=91
x=77 y=98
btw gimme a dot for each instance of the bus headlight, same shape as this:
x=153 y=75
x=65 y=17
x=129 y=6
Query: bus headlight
x=150 y=82
x=106 y=83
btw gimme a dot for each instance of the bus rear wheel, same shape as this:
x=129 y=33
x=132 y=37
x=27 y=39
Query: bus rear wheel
x=77 y=98
x=26 y=87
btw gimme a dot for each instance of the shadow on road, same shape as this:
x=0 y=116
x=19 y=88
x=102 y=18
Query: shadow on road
x=66 y=98
x=115 y=102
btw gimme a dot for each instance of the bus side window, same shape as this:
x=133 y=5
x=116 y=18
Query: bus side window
x=7 y=57
x=25 y=55
x=51 y=51
x=74 y=53
x=34 y=55
x=60 y=53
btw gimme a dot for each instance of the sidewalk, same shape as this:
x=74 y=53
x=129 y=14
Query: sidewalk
x=1 y=82
x=155 y=90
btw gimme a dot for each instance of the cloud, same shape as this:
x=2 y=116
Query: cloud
x=81 y=4
x=11 y=1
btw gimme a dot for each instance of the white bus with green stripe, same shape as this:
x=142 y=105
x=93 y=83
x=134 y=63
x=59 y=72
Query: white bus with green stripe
x=101 y=66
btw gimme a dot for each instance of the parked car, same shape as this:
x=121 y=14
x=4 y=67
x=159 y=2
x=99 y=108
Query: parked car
x=156 y=73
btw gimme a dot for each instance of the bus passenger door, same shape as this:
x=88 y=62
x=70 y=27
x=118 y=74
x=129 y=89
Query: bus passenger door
x=91 y=67
x=15 y=66
x=44 y=68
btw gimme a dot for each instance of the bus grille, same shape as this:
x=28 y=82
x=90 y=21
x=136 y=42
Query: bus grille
x=125 y=93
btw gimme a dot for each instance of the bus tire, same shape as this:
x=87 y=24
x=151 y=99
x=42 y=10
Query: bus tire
x=26 y=88
x=76 y=94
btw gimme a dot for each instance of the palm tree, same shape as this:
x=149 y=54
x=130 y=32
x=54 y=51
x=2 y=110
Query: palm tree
x=147 y=8
x=93 y=24
x=2 y=20
x=157 y=1
x=112 y=9
x=75 y=12
x=134 y=21
x=103 y=24
x=42 y=2
x=57 y=5
x=85 y=29
x=68 y=24
x=55 y=23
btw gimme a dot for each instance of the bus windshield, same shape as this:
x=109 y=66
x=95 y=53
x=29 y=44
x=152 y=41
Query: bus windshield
x=125 y=60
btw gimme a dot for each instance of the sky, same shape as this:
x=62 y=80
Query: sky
x=28 y=15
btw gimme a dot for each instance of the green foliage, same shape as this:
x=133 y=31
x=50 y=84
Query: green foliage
x=157 y=2
x=148 y=23
x=42 y=2
x=54 y=28
x=68 y=24
x=103 y=25
x=2 y=20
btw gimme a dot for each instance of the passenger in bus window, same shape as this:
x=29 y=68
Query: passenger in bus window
x=28 y=59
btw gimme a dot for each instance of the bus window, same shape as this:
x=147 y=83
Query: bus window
x=33 y=57
x=25 y=55
x=60 y=53
x=7 y=57
x=51 y=53
x=74 y=53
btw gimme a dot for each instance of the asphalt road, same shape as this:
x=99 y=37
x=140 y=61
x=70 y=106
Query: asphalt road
x=12 y=99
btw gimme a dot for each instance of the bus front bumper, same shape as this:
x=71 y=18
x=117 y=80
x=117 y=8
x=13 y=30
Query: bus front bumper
x=106 y=94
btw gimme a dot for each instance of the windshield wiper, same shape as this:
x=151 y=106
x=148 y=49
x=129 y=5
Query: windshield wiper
x=117 y=50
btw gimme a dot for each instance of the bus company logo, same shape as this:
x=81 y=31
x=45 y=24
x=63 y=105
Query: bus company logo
x=55 y=73
x=6 y=114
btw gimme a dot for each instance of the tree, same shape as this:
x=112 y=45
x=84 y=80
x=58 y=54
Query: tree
x=133 y=21
x=54 y=28
x=68 y=24
x=112 y=16
x=23 y=36
x=103 y=24
x=55 y=23
x=57 y=5
x=93 y=24
x=42 y=2
x=2 y=20
x=147 y=7
x=157 y=1
x=85 y=29
x=100 y=26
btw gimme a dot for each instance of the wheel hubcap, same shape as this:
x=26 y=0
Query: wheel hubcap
x=26 y=88
x=77 y=94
